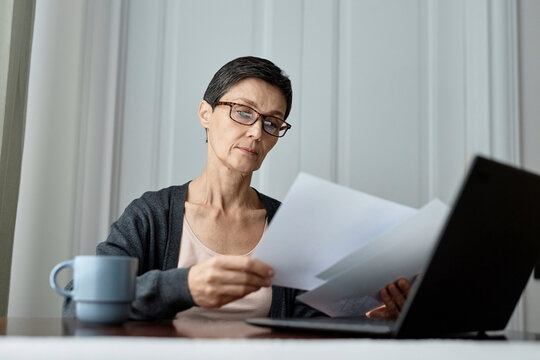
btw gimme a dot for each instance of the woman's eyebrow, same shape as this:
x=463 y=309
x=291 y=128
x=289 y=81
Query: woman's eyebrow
x=253 y=104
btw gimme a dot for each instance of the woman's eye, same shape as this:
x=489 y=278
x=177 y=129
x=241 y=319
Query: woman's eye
x=270 y=126
x=243 y=113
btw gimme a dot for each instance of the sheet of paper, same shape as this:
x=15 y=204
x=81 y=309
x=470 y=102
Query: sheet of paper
x=319 y=223
x=417 y=228
x=358 y=278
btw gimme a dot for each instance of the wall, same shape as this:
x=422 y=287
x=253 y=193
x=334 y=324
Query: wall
x=384 y=90
x=390 y=97
x=322 y=46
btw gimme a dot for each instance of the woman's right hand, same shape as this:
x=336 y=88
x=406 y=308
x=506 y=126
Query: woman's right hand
x=394 y=296
x=225 y=278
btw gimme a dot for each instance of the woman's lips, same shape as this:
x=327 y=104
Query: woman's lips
x=248 y=151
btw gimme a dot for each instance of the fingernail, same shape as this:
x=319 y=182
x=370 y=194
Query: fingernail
x=270 y=272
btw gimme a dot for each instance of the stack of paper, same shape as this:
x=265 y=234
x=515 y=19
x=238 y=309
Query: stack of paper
x=344 y=245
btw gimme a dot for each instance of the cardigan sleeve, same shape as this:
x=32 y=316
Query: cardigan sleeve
x=285 y=304
x=302 y=310
x=142 y=232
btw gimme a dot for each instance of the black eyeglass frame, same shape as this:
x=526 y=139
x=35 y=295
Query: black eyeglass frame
x=230 y=104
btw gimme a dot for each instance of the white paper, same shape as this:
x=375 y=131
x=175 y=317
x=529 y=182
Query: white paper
x=319 y=223
x=358 y=278
x=417 y=228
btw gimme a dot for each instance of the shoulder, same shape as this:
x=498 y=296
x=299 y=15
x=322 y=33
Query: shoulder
x=165 y=195
x=271 y=205
x=267 y=200
x=159 y=200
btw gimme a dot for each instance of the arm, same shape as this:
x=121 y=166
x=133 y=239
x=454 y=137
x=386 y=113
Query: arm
x=142 y=232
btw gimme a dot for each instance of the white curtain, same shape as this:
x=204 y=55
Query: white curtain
x=64 y=198
x=16 y=22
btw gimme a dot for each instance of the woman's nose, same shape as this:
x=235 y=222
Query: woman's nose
x=256 y=129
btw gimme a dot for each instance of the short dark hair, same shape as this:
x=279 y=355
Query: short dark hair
x=248 y=67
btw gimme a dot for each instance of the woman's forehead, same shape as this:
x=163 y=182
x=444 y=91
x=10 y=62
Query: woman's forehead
x=257 y=93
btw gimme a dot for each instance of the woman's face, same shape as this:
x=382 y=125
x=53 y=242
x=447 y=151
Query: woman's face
x=239 y=147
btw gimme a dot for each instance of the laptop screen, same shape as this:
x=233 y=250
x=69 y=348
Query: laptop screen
x=484 y=257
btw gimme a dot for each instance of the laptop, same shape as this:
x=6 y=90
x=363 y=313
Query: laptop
x=481 y=263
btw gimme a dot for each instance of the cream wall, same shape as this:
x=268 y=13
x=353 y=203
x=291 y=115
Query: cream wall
x=390 y=97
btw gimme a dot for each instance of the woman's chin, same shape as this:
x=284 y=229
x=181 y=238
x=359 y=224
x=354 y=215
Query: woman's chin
x=246 y=168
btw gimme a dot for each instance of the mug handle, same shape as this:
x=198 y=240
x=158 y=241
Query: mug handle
x=52 y=278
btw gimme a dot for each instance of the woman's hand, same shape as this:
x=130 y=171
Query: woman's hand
x=393 y=296
x=224 y=278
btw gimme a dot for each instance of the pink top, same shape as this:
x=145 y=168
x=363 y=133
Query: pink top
x=256 y=304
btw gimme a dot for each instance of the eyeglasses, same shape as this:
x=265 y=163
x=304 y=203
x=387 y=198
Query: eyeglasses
x=245 y=115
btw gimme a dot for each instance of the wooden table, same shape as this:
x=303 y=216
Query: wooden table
x=184 y=328
x=179 y=328
x=55 y=338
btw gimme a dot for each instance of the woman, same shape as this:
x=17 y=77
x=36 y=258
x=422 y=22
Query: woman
x=194 y=241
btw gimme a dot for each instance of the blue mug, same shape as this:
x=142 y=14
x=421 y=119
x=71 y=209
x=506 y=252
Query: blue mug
x=103 y=287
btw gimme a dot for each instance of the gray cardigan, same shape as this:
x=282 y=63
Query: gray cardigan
x=150 y=229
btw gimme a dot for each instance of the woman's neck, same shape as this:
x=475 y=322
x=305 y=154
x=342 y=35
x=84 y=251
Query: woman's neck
x=223 y=189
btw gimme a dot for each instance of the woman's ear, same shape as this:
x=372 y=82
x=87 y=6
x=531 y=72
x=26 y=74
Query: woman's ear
x=205 y=113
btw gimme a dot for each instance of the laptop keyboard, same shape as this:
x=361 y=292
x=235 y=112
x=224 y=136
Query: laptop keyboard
x=361 y=324
x=360 y=320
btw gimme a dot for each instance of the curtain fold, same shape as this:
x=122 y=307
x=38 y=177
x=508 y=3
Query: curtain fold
x=15 y=46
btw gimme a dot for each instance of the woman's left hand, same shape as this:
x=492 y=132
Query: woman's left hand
x=393 y=296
